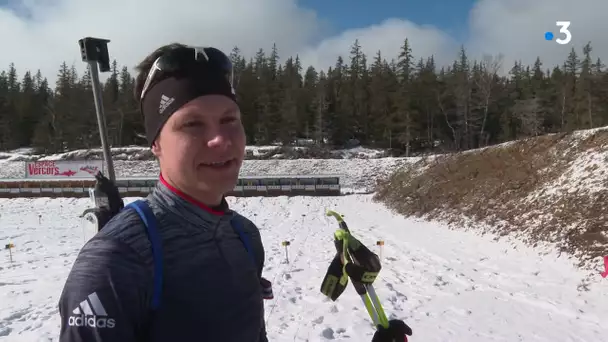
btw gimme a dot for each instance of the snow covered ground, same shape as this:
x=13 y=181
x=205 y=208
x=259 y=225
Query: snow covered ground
x=448 y=285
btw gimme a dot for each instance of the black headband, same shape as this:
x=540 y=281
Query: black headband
x=167 y=96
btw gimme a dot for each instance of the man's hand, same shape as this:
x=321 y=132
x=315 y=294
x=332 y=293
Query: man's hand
x=397 y=331
x=108 y=187
x=266 y=288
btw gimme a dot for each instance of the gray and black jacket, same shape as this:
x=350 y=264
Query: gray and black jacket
x=211 y=284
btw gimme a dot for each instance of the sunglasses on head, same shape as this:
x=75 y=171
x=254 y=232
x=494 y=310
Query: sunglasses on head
x=186 y=60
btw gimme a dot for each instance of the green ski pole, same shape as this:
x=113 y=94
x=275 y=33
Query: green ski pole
x=355 y=261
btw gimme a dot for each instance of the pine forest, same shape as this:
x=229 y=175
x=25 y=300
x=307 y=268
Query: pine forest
x=409 y=105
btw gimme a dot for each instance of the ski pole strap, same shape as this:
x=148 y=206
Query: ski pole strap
x=350 y=244
x=362 y=275
x=362 y=279
x=342 y=235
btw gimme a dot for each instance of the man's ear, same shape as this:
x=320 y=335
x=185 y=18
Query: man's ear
x=156 y=149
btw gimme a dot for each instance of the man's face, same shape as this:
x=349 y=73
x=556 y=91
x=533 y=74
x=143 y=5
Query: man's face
x=202 y=145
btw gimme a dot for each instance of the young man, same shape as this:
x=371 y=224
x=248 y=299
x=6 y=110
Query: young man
x=212 y=257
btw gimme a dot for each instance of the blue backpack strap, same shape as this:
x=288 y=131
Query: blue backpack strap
x=149 y=220
x=147 y=216
x=237 y=225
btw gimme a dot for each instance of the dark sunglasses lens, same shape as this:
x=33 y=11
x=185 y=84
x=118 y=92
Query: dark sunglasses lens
x=166 y=64
x=218 y=57
x=177 y=60
x=183 y=60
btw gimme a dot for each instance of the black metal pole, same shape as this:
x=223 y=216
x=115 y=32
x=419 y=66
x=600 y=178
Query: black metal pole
x=94 y=51
x=101 y=119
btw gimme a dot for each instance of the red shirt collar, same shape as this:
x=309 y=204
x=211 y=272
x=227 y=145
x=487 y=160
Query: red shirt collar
x=189 y=198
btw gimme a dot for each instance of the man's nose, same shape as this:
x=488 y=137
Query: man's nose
x=219 y=140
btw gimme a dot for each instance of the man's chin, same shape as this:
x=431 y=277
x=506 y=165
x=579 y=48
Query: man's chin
x=223 y=184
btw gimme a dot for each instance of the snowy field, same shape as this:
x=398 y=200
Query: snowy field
x=448 y=285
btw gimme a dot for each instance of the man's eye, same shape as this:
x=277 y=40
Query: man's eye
x=192 y=124
x=228 y=120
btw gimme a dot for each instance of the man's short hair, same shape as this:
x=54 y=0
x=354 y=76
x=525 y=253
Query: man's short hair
x=143 y=68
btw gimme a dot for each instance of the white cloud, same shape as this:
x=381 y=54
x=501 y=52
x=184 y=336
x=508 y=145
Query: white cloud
x=388 y=37
x=516 y=29
x=512 y=27
x=135 y=28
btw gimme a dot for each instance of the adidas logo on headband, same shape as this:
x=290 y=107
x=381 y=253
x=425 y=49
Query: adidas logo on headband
x=165 y=102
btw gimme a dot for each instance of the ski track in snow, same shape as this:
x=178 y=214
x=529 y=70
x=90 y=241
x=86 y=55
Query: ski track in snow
x=448 y=285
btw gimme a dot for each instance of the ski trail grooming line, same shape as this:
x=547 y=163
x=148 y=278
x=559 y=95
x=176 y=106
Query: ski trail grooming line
x=358 y=263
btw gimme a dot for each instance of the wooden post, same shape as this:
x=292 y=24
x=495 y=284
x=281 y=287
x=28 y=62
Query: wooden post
x=380 y=244
x=286 y=244
x=10 y=246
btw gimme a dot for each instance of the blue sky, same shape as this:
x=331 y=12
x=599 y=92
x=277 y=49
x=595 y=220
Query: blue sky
x=511 y=28
x=14 y=5
x=448 y=15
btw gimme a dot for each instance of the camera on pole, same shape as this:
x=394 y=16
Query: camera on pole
x=94 y=51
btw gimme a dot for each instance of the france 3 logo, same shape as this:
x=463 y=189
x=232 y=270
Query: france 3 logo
x=563 y=29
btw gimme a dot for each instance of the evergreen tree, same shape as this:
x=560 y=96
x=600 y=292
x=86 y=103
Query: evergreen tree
x=407 y=104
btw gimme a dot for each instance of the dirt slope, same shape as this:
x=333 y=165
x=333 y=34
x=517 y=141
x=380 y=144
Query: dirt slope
x=550 y=189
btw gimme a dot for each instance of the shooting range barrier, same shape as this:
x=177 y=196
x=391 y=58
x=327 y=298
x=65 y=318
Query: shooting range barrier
x=247 y=186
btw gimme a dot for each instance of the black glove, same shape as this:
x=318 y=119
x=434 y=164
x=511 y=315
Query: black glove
x=114 y=205
x=102 y=215
x=266 y=288
x=397 y=331
x=108 y=187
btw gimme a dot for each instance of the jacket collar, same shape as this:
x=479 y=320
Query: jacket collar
x=219 y=210
x=187 y=208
